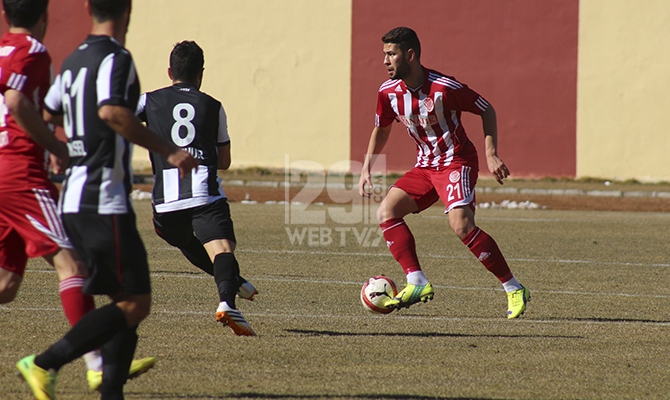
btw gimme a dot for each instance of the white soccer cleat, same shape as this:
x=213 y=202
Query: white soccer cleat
x=233 y=318
x=246 y=290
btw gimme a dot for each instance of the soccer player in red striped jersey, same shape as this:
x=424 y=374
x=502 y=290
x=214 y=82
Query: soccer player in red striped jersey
x=430 y=104
x=29 y=222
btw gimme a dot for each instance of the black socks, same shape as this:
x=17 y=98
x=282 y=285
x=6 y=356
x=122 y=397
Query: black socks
x=91 y=332
x=226 y=272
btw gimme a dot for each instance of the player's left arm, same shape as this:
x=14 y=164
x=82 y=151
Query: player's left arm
x=223 y=141
x=490 y=126
x=26 y=115
x=224 y=160
x=124 y=122
x=468 y=100
x=17 y=85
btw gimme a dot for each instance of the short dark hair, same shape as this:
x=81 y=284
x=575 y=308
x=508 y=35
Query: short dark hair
x=24 y=13
x=405 y=38
x=186 y=61
x=108 y=10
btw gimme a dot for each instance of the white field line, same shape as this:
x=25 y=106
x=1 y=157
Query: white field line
x=366 y=316
x=440 y=256
x=553 y=220
x=444 y=217
x=351 y=283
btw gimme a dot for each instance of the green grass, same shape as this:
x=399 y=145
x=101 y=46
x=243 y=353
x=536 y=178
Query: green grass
x=597 y=326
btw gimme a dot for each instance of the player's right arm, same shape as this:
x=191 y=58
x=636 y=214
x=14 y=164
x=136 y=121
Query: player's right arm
x=123 y=121
x=52 y=119
x=384 y=117
x=378 y=140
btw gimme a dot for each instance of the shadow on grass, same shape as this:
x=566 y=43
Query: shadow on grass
x=424 y=334
x=613 y=320
x=252 y=395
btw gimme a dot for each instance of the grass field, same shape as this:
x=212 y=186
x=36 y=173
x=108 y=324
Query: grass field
x=597 y=326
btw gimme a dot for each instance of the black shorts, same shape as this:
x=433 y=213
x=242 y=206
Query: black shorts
x=112 y=249
x=209 y=222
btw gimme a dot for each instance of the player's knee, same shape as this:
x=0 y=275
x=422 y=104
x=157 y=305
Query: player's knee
x=380 y=215
x=7 y=297
x=462 y=230
x=385 y=212
x=141 y=311
x=7 y=294
x=136 y=309
x=9 y=287
x=67 y=264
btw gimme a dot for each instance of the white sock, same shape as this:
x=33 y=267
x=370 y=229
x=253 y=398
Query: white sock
x=93 y=360
x=512 y=285
x=416 y=278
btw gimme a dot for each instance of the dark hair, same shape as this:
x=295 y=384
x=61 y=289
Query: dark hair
x=108 y=10
x=405 y=38
x=186 y=61
x=24 y=13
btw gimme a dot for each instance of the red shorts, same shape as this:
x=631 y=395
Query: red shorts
x=454 y=185
x=29 y=227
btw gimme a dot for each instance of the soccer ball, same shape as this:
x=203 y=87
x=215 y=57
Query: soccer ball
x=376 y=291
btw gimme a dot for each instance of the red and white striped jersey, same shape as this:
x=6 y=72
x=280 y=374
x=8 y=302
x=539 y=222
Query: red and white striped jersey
x=25 y=66
x=432 y=115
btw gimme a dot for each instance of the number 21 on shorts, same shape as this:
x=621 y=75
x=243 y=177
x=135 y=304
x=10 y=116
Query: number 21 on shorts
x=454 y=187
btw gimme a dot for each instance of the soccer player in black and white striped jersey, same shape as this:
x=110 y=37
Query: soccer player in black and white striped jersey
x=94 y=98
x=192 y=212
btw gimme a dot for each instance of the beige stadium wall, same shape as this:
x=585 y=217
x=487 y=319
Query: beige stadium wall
x=281 y=68
x=624 y=90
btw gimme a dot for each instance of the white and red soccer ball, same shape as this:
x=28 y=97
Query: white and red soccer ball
x=376 y=291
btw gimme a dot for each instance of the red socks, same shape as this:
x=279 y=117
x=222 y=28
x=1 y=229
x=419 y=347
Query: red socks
x=487 y=252
x=75 y=303
x=400 y=241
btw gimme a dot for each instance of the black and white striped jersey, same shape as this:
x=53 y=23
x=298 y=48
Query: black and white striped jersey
x=99 y=72
x=196 y=122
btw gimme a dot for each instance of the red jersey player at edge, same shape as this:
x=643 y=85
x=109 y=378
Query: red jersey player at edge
x=95 y=203
x=29 y=222
x=430 y=104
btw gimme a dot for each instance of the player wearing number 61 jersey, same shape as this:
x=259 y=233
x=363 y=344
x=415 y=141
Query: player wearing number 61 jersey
x=94 y=98
x=192 y=213
x=100 y=72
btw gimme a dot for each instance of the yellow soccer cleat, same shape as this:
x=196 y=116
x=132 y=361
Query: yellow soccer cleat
x=516 y=302
x=137 y=368
x=411 y=294
x=41 y=381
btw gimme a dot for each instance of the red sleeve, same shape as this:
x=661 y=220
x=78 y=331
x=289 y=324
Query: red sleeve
x=466 y=99
x=385 y=114
x=25 y=72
